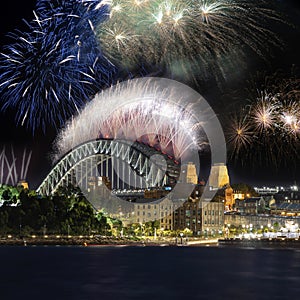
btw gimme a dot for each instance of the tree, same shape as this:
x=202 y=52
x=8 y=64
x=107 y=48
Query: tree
x=244 y=188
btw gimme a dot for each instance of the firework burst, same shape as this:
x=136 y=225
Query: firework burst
x=239 y=134
x=268 y=128
x=52 y=70
x=183 y=35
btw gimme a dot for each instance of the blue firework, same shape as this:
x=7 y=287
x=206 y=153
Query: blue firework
x=53 y=69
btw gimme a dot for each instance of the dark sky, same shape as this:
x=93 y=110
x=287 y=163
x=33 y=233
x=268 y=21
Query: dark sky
x=11 y=18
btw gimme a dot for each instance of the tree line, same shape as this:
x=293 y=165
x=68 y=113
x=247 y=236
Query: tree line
x=66 y=212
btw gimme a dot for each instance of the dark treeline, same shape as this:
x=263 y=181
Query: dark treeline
x=67 y=212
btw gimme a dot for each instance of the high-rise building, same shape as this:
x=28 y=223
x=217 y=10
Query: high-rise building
x=218 y=176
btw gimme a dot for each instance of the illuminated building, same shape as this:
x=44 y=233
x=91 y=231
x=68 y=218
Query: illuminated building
x=189 y=173
x=218 y=176
x=161 y=210
x=24 y=184
x=229 y=198
x=201 y=217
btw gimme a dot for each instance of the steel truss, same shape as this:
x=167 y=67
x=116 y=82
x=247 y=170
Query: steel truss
x=128 y=165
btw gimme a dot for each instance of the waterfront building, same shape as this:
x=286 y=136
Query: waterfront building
x=254 y=205
x=201 y=217
x=160 y=210
x=259 y=222
x=286 y=209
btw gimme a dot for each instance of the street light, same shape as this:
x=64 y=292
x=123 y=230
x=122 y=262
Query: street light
x=181 y=235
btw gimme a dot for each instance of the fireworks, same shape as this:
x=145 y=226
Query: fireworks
x=162 y=113
x=269 y=126
x=240 y=134
x=11 y=170
x=184 y=35
x=50 y=72
x=137 y=111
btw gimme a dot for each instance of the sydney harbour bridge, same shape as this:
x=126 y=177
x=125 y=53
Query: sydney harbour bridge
x=128 y=165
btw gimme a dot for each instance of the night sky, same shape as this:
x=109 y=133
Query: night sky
x=40 y=143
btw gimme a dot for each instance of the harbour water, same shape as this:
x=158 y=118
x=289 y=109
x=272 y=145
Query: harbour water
x=105 y=272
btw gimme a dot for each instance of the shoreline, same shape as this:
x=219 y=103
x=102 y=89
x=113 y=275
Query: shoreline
x=101 y=241
x=283 y=243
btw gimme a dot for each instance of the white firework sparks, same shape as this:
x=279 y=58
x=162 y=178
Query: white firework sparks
x=173 y=33
x=142 y=112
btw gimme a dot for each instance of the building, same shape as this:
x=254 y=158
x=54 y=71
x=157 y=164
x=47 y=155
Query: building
x=161 y=210
x=251 y=206
x=290 y=196
x=24 y=184
x=256 y=222
x=229 y=198
x=218 y=176
x=239 y=195
x=286 y=209
x=201 y=217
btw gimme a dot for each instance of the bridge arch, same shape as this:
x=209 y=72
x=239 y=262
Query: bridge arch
x=127 y=164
